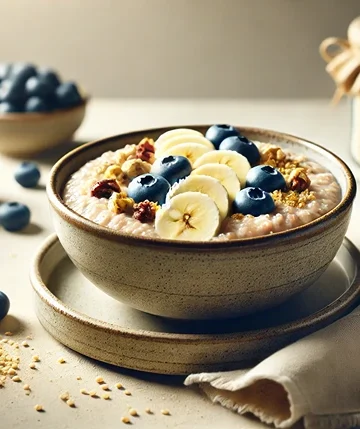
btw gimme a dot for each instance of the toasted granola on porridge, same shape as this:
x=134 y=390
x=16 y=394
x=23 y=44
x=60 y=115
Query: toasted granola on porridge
x=187 y=186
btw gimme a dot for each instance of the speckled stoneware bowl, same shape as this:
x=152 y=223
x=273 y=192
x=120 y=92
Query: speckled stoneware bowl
x=26 y=134
x=201 y=280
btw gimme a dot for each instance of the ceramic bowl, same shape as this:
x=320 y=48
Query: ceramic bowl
x=202 y=280
x=26 y=134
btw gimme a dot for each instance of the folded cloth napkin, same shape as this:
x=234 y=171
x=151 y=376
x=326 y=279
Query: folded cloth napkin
x=317 y=378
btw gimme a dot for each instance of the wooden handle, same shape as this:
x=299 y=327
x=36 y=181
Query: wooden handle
x=338 y=45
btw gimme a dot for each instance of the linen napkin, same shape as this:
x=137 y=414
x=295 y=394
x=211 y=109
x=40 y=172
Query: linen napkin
x=317 y=377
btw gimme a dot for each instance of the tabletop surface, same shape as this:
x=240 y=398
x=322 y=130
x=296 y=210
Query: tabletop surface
x=315 y=120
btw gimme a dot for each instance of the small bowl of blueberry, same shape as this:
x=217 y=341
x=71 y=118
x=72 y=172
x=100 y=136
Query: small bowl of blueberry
x=38 y=109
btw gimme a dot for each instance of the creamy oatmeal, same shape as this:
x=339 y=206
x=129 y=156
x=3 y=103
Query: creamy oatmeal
x=99 y=191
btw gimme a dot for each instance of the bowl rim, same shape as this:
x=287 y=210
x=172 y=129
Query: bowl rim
x=36 y=116
x=91 y=227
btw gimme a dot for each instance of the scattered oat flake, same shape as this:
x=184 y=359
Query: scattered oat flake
x=125 y=420
x=70 y=403
x=38 y=407
x=65 y=396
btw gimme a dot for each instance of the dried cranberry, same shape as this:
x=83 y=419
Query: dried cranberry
x=105 y=188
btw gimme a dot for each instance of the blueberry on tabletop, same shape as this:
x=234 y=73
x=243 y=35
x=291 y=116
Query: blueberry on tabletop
x=148 y=187
x=21 y=72
x=4 y=71
x=35 y=87
x=253 y=201
x=265 y=177
x=14 y=216
x=12 y=91
x=27 y=175
x=50 y=77
x=6 y=107
x=243 y=146
x=68 y=95
x=219 y=132
x=4 y=305
x=36 y=104
x=172 y=168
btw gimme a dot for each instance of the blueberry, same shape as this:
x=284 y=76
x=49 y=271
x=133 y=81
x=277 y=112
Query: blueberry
x=27 y=174
x=35 y=87
x=50 y=77
x=217 y=133
x=12 y=91
x=6 y=107
x=253 y=201
x=172 y=168
x=4 y=71
x=148 y=187
x=4 y=305
x=36 y=104
x=266 y=178
x=243 y=146
x=14 y=216
x=21 y=72
x=68 y=95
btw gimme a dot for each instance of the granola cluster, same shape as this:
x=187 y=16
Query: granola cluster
x=297 y=192
x=293 y=198
x=145 y=211
x=132 y=161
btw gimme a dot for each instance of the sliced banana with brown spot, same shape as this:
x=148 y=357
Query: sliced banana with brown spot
x=206 y=185
x=190 y=216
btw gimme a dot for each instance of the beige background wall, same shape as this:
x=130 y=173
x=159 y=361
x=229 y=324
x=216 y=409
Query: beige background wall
x=179 y=48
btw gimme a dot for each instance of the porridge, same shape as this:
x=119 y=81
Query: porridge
x=188 y=186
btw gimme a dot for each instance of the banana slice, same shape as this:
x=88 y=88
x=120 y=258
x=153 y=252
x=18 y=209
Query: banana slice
x=228 y=157
x=190 y=216
x=224 y=174
x=206 y=185
x=183 y=138
x=173 y=133
x=192 y=151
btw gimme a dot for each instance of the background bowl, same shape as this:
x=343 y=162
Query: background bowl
x=201 y=280
x=26 y=134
